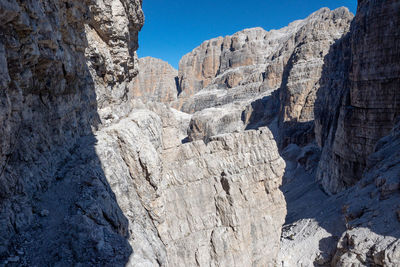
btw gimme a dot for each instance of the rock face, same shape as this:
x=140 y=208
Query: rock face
x=356 y=105
x=65 y=67
x=352 y=76
x=246 y=68
x=194 y=204
x=368 y=97
x=94 y=170
x=302 y=72
x=371 y=211
x=356 y=227
x=90 y=177
x=157 y=81
x=211 y=201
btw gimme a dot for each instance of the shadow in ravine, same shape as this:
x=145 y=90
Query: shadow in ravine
x=57 y=207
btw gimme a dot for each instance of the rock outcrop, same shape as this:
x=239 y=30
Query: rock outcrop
x=193 y=204
x=365 y=98
x=156 y=81
x=65 y=69
x=356 y=105
x=240 y=73
x=302 y=72
x=211 y=201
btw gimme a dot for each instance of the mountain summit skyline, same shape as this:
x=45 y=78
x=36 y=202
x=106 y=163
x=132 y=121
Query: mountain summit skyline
x=170 y=35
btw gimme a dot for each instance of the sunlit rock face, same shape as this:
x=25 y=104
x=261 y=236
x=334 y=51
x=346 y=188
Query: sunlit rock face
x=212 y=195
x=195 y=203
x=156 y=81
x=255 y=76
x=359 y=99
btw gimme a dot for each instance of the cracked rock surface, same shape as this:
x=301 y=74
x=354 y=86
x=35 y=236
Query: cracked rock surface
x=284 y=150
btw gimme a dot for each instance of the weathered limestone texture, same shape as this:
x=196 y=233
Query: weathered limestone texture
x=356 y=227
x=372 y=212
x=302 y=72
x=211 y=198
x=194 y=204
x=112 y=37
x=367 y=103
x=91 y=177
x=98 y=169
x=240 y=73
x=356 y=105
x=64 y=66
x=157 y=81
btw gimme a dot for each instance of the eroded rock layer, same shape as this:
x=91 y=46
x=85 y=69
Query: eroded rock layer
x=366 y=98
x=90 y=177
x=95 y=171
x=212 y=195
x=65 y=68
x=236 y=91
x=156 y=81
x=233 y=68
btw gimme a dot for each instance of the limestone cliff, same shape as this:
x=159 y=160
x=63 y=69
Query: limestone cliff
x=65 y=67
x=156 y=81
x=91 y=176
x=359 y=101
x=357 y=225
x=94 y=170
x=258 y=76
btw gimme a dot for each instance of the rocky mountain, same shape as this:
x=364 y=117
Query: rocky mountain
x=156 y=81
x=222 y=79
x=254 y=60
x=266 y=148
x=322 y=76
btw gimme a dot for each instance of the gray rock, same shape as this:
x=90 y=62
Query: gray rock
x=358 y=101
x=91 y=175
x=211 y=196
x=65 y=67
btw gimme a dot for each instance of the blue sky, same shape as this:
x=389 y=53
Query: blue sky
x=174 y=27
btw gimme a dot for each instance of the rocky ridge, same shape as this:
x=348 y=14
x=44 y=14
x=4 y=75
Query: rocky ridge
x=234 y=74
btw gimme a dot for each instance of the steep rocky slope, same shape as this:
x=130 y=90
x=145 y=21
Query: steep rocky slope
x=212 y=212
x=229 y=82
x=341 y=196
x=372 y=211
x=254 y=60
x=356 y=105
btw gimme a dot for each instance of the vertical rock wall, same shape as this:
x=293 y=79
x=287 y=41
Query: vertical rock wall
x=65 y=67
x=157 y=81
x=367 y=99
